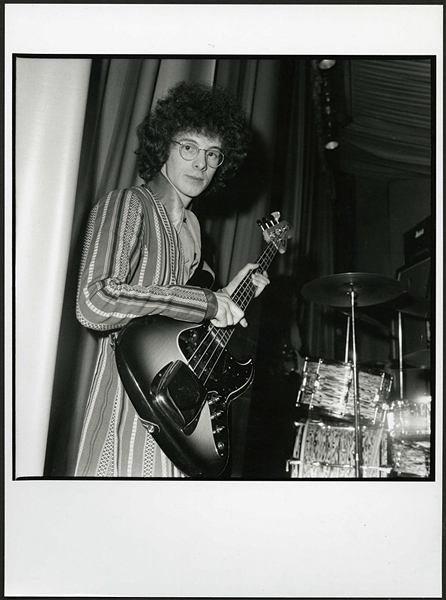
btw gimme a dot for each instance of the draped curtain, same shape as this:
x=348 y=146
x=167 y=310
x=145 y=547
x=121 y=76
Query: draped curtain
x=389 y=130
x=95 y=106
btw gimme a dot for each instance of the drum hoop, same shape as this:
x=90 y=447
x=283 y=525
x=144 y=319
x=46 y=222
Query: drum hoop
x=372 y=371
x=327 y=361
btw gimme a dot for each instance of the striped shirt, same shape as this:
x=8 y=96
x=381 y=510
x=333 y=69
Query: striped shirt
x=135 y=262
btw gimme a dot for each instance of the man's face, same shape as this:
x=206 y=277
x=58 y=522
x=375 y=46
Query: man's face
x=191 y=177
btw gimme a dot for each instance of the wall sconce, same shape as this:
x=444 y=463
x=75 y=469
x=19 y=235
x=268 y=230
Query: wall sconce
x=326 y=92
x=329 y=116
x=326 y=64
x=331 y=141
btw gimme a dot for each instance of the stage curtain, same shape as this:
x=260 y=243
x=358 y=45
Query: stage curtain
x=278 y=175
x=51 y=98
x=390 y=133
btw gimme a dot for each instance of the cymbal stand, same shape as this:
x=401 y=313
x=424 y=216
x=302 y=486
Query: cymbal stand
x=347 y=339
x=358 y=440
x=400 y=355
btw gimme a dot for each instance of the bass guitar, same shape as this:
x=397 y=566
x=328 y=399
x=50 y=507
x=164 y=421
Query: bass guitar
x=181 y=378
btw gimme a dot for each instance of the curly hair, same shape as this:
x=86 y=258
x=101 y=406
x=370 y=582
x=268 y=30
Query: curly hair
x=193 y=108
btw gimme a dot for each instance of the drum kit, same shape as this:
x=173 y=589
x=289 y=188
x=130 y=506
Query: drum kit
x=351 y=427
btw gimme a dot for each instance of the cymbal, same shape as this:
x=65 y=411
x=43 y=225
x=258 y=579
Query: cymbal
x=414 y=306
x=335 y=290
x=420 y=359
x=370 y=321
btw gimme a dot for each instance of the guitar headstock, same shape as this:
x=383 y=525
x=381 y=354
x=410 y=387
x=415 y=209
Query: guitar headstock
x=276 y=231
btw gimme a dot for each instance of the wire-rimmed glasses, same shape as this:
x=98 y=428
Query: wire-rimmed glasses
x=190 y=150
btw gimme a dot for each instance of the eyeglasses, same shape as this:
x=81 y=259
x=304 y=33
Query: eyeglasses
x=190 y=150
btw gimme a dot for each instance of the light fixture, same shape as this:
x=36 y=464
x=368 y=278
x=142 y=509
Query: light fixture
x=326 y=63
x=331 y=143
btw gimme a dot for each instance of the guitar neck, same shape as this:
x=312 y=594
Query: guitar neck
x=245 y=291
x=276 y=235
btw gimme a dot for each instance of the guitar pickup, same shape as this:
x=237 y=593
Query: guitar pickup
x=179 y=393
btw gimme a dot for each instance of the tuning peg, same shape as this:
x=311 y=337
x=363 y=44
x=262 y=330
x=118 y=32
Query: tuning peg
x=268 y=222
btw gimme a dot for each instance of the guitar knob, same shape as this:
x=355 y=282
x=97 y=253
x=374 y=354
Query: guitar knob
x=221 y=446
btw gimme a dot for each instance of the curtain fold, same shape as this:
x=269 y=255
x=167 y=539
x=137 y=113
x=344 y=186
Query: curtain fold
x=121 y=93
x=389 y=133
x=51 y=98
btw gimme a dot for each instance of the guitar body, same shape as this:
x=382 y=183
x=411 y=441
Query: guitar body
x=184 y=401
x=181 y=379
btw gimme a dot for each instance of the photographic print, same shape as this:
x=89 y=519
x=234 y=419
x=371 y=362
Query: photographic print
x=225 y=304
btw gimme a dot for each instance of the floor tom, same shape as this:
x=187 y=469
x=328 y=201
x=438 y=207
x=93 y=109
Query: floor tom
x=410 y=459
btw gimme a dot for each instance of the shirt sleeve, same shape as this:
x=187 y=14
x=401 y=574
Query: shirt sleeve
x=107 y=297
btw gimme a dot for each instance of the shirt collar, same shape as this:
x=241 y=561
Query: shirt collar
x=166 y=193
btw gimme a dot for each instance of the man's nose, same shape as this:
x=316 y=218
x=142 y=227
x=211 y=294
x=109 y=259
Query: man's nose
x=200 y=161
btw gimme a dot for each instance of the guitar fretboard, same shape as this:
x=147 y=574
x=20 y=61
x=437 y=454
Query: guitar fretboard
x=245 y=291
x=209 y=350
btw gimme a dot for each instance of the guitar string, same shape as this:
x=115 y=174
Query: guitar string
x=215 y=334
x=243 y=293
x=219 y=335
x=225 y=335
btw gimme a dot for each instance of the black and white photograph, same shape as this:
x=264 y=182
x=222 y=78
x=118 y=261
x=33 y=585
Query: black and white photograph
x=224 y=295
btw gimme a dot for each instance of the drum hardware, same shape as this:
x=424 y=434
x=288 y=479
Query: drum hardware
x=400 y=356
x=353 y=290
x=347 y=338
x=296 y=462
x=358 y=449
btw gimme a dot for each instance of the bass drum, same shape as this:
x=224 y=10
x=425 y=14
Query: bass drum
x=327 y=450
x=327 y=386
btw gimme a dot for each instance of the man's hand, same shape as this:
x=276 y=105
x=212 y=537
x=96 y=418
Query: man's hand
x=228 y=312
x=260 y=280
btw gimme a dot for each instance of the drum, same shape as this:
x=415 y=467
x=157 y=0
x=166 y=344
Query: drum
x=374 y=390
x=327 y=450
x=410 y=459
x=327 y=385
x=410 y=419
